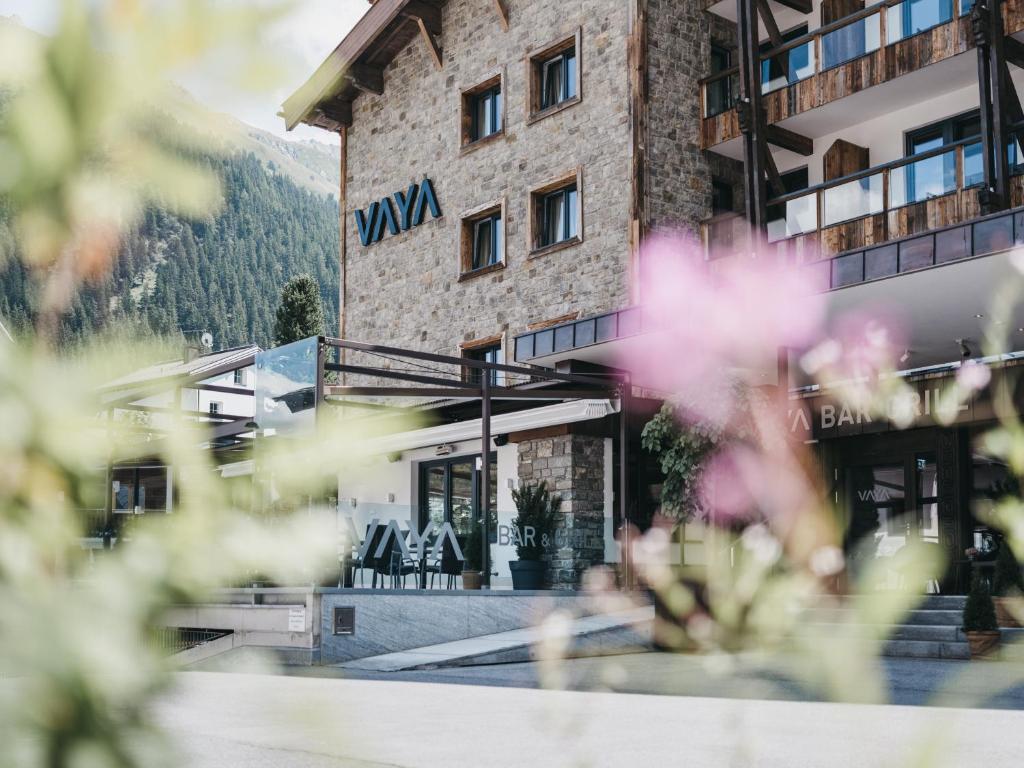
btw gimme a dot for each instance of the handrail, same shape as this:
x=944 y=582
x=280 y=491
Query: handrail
x=858 y=175
x=797 y=42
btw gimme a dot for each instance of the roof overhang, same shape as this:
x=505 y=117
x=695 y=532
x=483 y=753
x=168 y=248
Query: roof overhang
x=532 y=418
x=357 y=64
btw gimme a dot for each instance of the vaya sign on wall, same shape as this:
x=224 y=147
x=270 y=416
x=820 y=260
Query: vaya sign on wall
x=398 y=213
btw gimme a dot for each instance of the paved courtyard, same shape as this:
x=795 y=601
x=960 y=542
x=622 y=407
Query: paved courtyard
x=634 y=709
x=258 y=721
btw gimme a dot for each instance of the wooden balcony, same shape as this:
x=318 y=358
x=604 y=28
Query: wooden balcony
x=864 y=49
x=867 y=211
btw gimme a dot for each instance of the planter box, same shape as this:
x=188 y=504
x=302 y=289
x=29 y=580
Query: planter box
x=984 y=645
x=1003 y=614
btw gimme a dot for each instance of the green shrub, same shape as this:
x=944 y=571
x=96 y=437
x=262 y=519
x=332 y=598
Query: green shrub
x=980 y=611
x=1007 y=578
x=537 y=509
x=474 y=551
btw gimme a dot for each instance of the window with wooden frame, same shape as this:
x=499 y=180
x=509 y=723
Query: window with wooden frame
x=483 y=112
x=489 y=350
x=555 y=79
x=483 y=240
x=556 y=214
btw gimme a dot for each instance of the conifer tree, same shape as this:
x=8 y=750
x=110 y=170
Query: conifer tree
x=301 y=313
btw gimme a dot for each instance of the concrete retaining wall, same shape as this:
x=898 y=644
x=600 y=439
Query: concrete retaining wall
x=388 y=621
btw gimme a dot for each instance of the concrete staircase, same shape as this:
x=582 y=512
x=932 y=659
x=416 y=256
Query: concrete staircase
x=930 y=631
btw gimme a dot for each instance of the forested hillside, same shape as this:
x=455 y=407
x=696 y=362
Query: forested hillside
x=223 y=275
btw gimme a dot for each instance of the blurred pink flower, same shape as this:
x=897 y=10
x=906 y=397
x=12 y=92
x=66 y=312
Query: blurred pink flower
x=704 y=328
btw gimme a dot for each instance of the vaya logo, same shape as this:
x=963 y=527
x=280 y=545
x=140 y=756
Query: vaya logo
x=876 y=495
x=411 y=205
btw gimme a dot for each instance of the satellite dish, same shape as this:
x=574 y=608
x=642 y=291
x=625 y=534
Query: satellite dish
x=207 y=340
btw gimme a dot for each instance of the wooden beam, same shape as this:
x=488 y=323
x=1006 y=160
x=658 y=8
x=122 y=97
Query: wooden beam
x=432 y=47
x=801 y=6
x=1013 y=50
x=425 y=13
x=502 y=8
x=786 y=139
x=774 y=35
x=339 y=112
x=365 y=78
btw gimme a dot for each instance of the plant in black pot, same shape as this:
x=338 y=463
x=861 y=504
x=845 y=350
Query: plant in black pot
x=980 y=623
x=472 y=569
x=1007 y=587
x=536 y=511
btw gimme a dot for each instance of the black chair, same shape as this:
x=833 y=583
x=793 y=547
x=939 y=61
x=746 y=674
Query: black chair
x=370 y=560
x=445 y=565
x=392 y=564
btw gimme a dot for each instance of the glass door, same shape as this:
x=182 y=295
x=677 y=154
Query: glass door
x=891 y=504
x=450 y=493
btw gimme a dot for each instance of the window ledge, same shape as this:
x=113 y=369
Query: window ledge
x=482 y=271
x=475 y=145
x=536 y=117
x=555 y=247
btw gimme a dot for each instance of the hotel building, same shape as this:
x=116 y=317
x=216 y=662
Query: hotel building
x=502 y=160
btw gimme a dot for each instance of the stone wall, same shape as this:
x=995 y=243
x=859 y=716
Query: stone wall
x=406 y=289
x=679 y=172
x=573 y=468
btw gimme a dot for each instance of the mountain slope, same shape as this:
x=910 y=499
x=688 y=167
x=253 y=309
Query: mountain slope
x=224 y=274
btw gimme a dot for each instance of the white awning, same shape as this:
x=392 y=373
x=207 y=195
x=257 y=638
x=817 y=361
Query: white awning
x=533 y=418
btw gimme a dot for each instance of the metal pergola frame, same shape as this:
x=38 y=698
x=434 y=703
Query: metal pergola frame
x=541 y=384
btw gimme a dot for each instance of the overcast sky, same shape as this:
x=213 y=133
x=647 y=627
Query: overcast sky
x=299 y=44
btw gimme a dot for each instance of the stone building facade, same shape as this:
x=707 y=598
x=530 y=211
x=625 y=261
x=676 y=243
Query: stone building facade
x=630 y=139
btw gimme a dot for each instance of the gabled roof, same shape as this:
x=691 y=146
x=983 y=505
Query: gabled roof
x=357 y=64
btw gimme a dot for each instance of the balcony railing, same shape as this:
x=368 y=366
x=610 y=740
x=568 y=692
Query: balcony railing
x=881 y=190
x=832 y=45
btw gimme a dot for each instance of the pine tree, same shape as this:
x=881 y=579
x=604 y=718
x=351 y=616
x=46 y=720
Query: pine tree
x=301 y=312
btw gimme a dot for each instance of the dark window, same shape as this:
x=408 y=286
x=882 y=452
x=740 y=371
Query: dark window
x=144 y=488
x=488 y=242
x=491 y=353
x=240 y=377
x=558 y=216
x=558 y=79
x=721 y=93
x=486 y=113
x=215 y=408
x=450 y=493
x=792 y=181
x=721 y=196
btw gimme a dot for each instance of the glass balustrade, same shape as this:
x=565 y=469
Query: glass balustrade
x=923 y=179
x=801 y=66
x=974 y=165
x=852 y=200
x=794 y=217
x=912 y=16
x=851 y=42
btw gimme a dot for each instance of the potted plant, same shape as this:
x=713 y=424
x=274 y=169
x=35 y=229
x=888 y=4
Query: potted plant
x=980 y=623
x=534 y=523
x=472 y=568
x=1007 y=586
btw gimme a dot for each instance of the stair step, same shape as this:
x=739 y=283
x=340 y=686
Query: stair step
x=926 y=649
x=920 y=616
x=929 y=632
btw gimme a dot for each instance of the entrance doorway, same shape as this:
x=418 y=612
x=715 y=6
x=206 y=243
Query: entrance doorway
x=450 y=493
x=892 y=489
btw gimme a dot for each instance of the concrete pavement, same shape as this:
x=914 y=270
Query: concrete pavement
x=260 y=721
